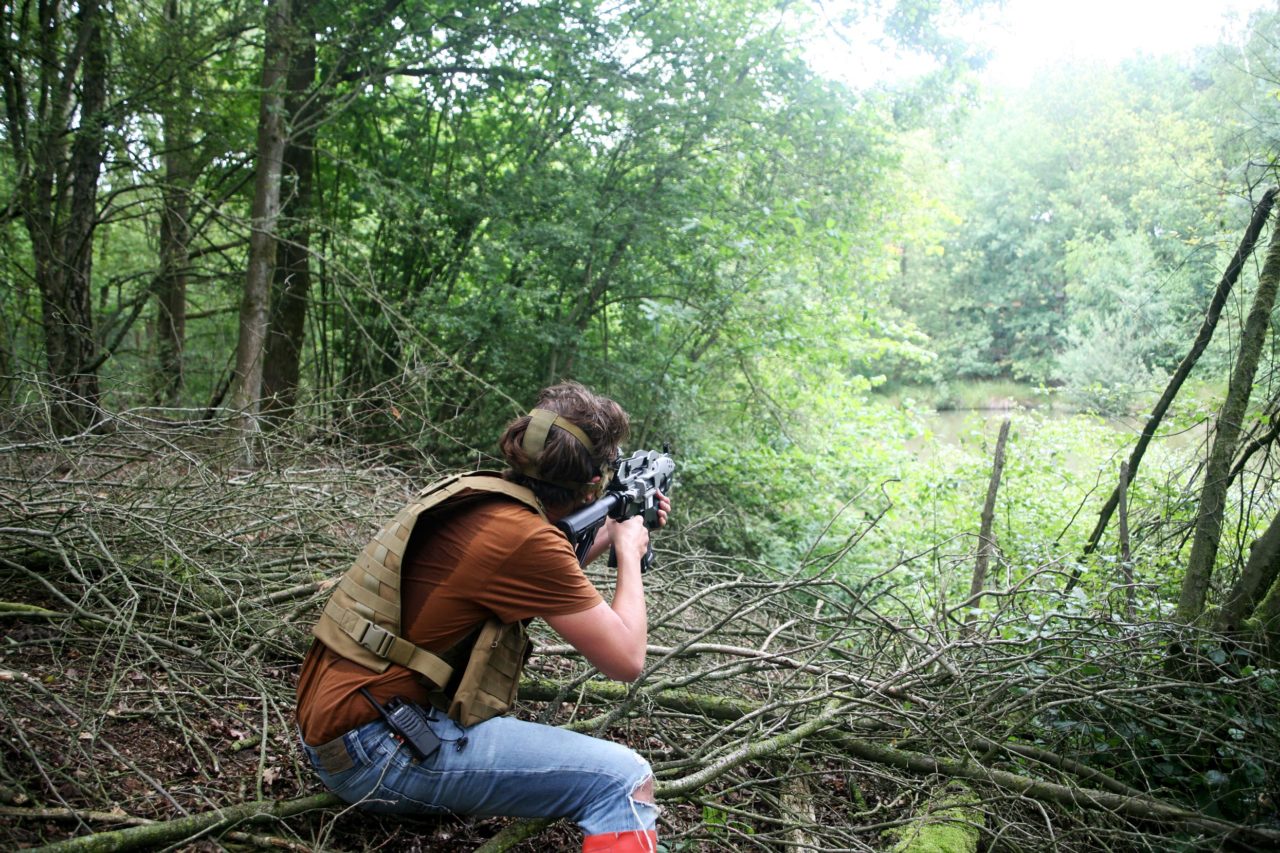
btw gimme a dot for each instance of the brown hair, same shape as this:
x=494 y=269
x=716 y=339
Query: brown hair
x=564 y=460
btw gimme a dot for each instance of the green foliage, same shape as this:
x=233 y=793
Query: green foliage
x=672 y=206
x=1215 y=770
x=1121 y=332
x=636 y=223
x=721 y=822
x=1052 y=462
x=666 y=202
x=1078 y=213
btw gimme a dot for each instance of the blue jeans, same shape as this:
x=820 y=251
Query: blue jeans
x=503 y=766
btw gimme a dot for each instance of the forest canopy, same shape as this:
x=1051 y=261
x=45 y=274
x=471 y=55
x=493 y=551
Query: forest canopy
x=268 y=268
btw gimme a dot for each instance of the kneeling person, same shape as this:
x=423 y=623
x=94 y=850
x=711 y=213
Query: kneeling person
x=465 y=567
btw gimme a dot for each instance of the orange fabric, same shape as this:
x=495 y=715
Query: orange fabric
x=621 y=842
x=491 y=557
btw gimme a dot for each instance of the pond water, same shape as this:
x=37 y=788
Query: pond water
x=956 y=427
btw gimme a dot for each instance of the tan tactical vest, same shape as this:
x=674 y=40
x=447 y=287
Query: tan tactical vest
x=361 y=620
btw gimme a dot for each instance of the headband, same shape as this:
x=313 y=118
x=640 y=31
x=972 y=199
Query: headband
x=535 y=441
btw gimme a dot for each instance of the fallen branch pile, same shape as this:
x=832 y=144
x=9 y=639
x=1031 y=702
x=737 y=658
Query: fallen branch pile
x=156 y=601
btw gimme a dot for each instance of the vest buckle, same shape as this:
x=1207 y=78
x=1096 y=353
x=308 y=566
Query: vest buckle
x=376 y=639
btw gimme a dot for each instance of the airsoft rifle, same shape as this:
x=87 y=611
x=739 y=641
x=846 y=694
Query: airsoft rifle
x=632 y=491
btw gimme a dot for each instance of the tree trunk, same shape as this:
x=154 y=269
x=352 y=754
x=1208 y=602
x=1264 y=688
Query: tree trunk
x=1266 y=619
x=1258 y=575
x=7 y=350
x=1126 y=555
x=1213 y=497
x=949 y=821
x=251 y=347
x=80 y=386
x=175 y=238
x=292 y=280
x=58 y=187
x=985 y=543
x=1203 y=337
x=168 y=833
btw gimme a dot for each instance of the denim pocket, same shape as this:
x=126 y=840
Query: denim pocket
x=349 y=784
x=396 y=782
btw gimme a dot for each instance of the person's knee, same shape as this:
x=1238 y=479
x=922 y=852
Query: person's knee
x=642 y=802
x=625 y=796
x=643 y=793
x=642 y=788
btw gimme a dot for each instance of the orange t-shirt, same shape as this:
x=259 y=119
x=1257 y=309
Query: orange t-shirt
x=492 y=557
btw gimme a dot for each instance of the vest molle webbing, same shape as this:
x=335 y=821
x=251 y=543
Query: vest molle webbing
x=361 y=620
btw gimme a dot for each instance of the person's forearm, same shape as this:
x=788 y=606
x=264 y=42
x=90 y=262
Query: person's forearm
x=628 y=602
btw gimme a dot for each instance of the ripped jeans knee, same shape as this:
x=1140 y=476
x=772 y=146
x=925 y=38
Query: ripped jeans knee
x=643 y=793
x=626 y=800
x=644 y=808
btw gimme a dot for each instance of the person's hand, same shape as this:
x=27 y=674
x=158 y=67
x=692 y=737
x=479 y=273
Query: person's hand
x=629 y=537
x=664 y=509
